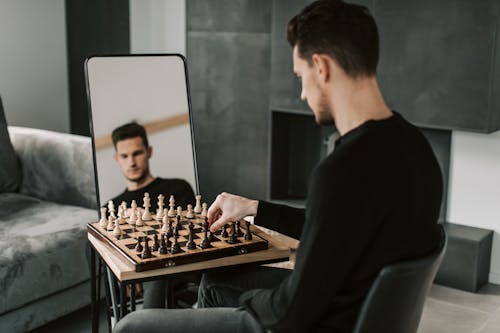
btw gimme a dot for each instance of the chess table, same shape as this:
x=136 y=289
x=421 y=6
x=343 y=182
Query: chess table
x=126 y=272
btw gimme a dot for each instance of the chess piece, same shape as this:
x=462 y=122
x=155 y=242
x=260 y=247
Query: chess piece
x=205 y=243
x=138 y=246
x=211 y=236
x=191 y=245
x=133 y=213
x=124 y=209
x=248 y=233
x=238 y=231
x=155 y=245
x=197 y=207
x=204 y=224
x=111 y=209
x=190 y=213
x=146 y=216
x=175 y=246
x=159 y=212
x=111 y=224
x=146 y=252
x=103 y=222
x=179 y=211
x=232 y=237
x=120 y=215
x=163 y=247
x=139 y=222
x=117 y=231
x=170 y=232
x=224 y=231
x=165 y=220
x=178 y=223
x=204 y=211
x=171 y=211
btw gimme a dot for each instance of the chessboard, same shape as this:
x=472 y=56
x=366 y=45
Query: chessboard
x=171 y=238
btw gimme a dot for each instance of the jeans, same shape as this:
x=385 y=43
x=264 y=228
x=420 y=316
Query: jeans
x=218 y=310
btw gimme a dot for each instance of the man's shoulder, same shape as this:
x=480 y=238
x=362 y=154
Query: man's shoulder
x=172 y=181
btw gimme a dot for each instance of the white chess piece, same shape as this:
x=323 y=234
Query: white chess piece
x=103 y=222
x=124 y=209
x=146 y=216
x=179 y=211
x=171 y=211
x=139 y=221
x=111 y=209
x=204 y=211
x=133 y=213
x=120 y=215
x=164 y=228
x=117 y=231
x=161 y=204
x=111 y=224
x=197 y=207
x=189 y=213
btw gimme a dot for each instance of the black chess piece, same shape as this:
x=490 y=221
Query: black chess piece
x=178 y=222
x=248 y=233
x=169 y=230
x=205 y=243
x=237 y=230
x=175 y=246
x=232 y=237
x=138 y=247
x=224 y=231
x=163 y=247
x=204 y=224
x=155 y=245
x=212 y=237
x=191 y=245
x=146 y=252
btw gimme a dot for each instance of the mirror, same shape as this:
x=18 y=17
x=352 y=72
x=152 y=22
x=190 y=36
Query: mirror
x=152 y=91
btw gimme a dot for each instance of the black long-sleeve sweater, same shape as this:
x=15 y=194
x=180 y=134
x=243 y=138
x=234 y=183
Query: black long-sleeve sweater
x=374 y=201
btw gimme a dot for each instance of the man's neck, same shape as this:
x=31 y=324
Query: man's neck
x=355 y=102
x=134 y=186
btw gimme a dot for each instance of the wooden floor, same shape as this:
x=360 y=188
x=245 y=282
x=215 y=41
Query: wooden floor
x=446 y=310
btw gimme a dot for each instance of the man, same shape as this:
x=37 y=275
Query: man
x=374 y=201
x=132 y=154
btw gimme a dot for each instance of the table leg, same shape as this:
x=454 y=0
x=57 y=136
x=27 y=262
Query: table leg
x=123 y=299
x=93 y=305
x=132 y=297
x=112 y=292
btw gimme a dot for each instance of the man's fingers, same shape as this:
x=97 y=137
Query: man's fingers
x=219 y=223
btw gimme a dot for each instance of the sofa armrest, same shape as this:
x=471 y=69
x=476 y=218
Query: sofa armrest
x=56 y=167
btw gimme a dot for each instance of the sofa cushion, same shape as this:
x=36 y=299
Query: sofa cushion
x=42 y=248
x=10 y=171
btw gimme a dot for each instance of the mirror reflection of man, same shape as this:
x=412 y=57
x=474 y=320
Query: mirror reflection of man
x=132 y=154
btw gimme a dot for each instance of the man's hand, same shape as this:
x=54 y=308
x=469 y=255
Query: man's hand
x=228 y=208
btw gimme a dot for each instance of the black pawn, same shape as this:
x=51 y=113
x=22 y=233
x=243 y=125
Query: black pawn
x=206 y=241
x=178 y=223
x=163 y=247
x=248 y=233
x=175 y=247
x=138 y=247
x=146 y=252
x=156 y=245
x=232 y=237
x=204 y=224
x=238 y=231
x=224 y=231
x=169 y=230
x=191 y=245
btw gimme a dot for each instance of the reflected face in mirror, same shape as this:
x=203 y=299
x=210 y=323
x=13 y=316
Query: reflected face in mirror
x=133 y=158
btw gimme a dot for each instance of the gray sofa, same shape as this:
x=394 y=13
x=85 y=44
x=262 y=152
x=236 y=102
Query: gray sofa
x=47 y=196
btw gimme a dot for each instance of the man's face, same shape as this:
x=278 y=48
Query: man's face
x=133 y=158
x=312 y=92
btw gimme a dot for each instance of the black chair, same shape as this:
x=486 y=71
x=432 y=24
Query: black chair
x=396 y=299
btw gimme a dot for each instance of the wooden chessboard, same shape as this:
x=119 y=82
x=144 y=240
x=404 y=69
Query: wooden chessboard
x=125 y=244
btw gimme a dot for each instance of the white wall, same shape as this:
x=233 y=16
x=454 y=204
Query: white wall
x=474 y=190
x=33 y=66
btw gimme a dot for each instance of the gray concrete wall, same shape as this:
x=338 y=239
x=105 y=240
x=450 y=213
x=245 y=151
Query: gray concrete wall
x=228 y=52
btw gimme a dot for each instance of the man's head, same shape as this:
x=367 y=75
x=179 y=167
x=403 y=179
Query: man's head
x=132 y=151
x=332 y=32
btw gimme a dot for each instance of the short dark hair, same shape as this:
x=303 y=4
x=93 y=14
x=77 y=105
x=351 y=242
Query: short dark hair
x=128 y=131
x=346 y=32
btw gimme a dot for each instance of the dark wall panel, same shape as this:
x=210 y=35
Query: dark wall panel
x=228 y=55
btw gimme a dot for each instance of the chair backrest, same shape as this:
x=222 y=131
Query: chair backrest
x=396 y=299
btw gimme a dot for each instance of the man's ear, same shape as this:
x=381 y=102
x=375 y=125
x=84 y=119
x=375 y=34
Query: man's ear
x=150 y=151
x=322 y=66
x=115 y=157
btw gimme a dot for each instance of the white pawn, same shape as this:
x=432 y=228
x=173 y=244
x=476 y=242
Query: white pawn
x=161 y=203
x=117 y=231
x=164 y=227
x=111 y=223
x=139 y=221
x=103 y=222
x=171 y=211
x=120 y=215
x=190 y=214
x=146 y=216
x=204 y=211
x=179 y=211
x=124 y=209
x=133 y=213
x=197 y=207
